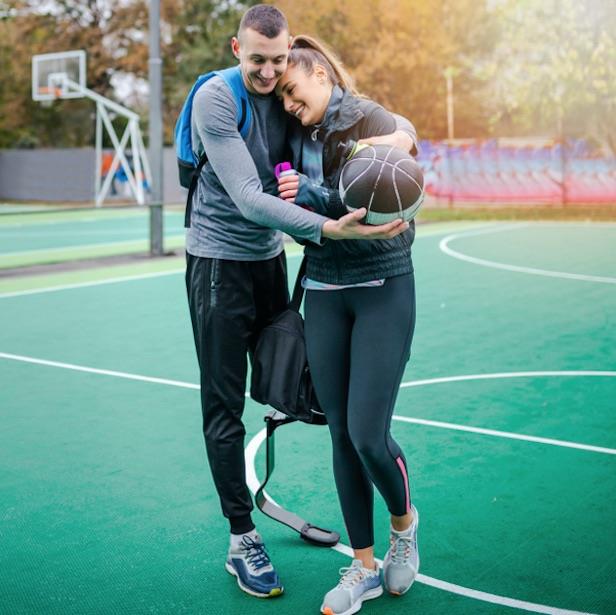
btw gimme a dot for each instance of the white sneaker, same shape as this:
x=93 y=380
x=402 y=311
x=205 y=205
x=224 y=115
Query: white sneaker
x=356 y=585
x=401 y=562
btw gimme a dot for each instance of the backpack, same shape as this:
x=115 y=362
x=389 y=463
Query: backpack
x=189 y=166
x=280 y=373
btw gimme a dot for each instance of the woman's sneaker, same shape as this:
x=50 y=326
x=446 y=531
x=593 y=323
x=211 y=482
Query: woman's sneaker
x=356 y=585
x=401 y=562
x=249 y=562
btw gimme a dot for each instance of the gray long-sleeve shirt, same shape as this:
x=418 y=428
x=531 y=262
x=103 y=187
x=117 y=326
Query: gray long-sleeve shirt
x=234 y=215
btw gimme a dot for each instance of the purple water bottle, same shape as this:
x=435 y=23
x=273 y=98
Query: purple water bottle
x=282 y=169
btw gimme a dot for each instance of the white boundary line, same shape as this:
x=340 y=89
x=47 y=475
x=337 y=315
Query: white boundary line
x=102 y=372
x=254 y=484
x=48 y=289
x=506 y=434
x=444 y=247
x=128 y=278
x=418 y=421
x=498 y=375
x=37 y=222
x=84 y=246
x=137 y=232
x=256 y=441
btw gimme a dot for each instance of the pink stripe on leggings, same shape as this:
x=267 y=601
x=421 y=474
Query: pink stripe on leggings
x=406 y=483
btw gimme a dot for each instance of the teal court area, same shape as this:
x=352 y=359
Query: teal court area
x=35 y=236
x=507 y=415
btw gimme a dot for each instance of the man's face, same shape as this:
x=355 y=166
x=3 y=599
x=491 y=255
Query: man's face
x=263 y=60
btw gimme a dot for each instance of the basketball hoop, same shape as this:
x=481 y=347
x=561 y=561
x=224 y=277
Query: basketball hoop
x=50 y=95
x=58 y=76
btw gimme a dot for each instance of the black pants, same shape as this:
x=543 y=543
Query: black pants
x=358 y=342
x=230 y=302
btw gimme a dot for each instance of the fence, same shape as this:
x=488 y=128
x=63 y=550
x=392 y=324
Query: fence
x=494 y=171
x=67 y=175
x=517 y=171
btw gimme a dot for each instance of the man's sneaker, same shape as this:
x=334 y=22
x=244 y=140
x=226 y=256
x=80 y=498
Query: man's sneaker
x=401 y=562
x=356 y=585
x=251 y=565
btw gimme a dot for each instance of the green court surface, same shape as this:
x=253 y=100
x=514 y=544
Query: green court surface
x=507 y=415
x=40 y=237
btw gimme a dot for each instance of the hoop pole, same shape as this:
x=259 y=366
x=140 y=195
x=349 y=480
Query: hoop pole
x=119 y=149
x=103 y=105
x=156 y=131
x=136 y=161
x=99 y=158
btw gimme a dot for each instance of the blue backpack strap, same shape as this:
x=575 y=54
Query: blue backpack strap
x=183 y=141
x=234 y=79
x=189 y=165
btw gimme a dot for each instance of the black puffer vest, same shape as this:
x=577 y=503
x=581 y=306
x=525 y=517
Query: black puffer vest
x=352 y=261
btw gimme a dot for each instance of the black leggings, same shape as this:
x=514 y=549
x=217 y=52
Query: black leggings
x=358 y=342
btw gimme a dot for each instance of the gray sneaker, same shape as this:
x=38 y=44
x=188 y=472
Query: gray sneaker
x=401 y=562
x=251 y=566
x=356 y=585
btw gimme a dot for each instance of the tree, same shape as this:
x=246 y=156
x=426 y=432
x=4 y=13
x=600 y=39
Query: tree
x=398 y=50
x=198 y=34
x=554 y=69
x=101 y=28
x=195 y=39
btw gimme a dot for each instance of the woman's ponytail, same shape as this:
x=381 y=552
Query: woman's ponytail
x=307 y=52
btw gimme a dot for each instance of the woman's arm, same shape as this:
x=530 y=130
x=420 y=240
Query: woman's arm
x=405 y=136
x=379 y=127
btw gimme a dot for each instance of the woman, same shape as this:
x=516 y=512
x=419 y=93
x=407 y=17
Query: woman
x=360 y=317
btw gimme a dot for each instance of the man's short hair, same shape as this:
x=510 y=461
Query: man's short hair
x=264 y=19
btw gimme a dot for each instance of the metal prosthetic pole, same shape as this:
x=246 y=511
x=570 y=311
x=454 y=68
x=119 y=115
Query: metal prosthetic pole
x=309 y=532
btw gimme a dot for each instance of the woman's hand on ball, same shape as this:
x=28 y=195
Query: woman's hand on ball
x=351 y=227
x=287 y=187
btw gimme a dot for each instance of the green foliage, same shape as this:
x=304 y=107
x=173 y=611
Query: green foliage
x=199 y=33
x=554 y=68
x=521 y=67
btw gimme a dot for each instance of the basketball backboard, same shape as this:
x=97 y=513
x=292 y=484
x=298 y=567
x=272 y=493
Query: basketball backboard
x=50 y=72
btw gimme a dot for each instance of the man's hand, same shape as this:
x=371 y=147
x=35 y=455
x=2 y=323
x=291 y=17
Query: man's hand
x=350 y=227
x=396 y=139
x=288 y=186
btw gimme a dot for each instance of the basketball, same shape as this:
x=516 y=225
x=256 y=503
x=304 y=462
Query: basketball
x=385 y=180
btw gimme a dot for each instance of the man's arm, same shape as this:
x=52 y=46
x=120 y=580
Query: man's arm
x=214 y=114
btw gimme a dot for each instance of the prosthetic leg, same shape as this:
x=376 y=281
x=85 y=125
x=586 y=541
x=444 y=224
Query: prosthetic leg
x=311 y=533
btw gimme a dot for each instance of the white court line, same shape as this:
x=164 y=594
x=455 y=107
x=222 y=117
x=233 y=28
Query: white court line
x=439 y=424
x=254 y=483
x=101 y=372
x=506 y=434
x=138 y=232
x=539 y=374
x=83 y=246
x=71 y=221
x=51 y=289
x=444 y=247
x=48 y=289
x=145 y=276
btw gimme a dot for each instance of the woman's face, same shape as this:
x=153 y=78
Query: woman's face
x=305 y=96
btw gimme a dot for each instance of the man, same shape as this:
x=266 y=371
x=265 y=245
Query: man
x=236 y=270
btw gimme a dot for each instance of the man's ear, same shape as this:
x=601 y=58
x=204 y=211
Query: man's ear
x=235 y=47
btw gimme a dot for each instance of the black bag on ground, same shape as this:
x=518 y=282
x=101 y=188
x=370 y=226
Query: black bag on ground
x=280 y=373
